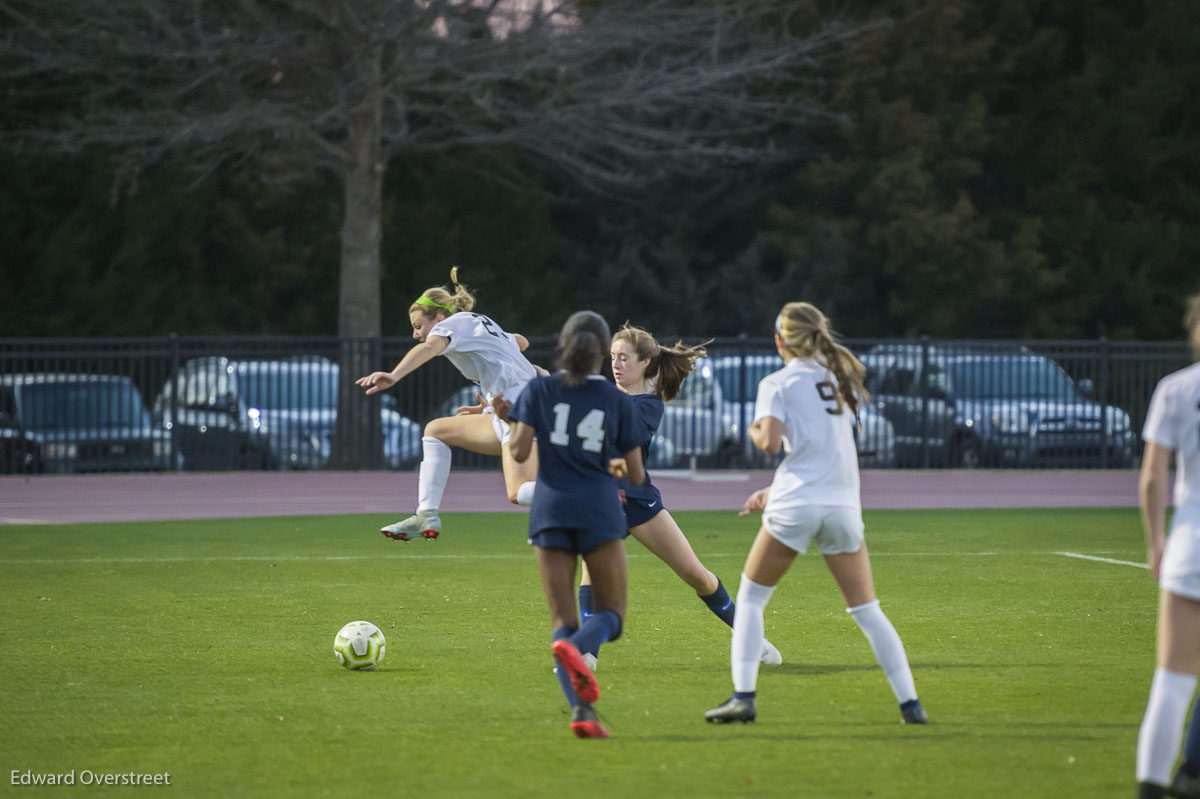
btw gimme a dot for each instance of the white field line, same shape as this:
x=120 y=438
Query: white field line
x=1082 y=556
x=501 y=556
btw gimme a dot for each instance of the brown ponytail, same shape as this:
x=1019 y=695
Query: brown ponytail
x=668 y=365
x=582 y=346
x=806 y=334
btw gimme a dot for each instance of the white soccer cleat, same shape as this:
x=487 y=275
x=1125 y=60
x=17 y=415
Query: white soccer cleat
x=590 y=660
x=422 y=524
x=770 y=655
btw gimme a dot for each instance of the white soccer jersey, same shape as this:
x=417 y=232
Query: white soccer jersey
x=821 y=466
x=485 y=354
x=1173 y=421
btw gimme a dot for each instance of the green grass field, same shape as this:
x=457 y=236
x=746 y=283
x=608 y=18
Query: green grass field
x=203 y=649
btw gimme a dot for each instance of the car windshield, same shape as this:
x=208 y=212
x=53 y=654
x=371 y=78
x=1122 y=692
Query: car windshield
x=1011 y=379
x=284 y=387
x=729 y=375
x=76 y=404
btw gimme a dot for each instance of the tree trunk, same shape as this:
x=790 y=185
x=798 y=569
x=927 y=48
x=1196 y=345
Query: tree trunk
x=358 y=437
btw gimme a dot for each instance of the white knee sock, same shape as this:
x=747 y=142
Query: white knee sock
x=888 y=649
x=746 y=649
x=433 y=474
x=525 y=493
x=1162 y=726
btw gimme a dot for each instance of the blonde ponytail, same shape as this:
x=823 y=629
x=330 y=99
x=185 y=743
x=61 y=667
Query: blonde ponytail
x=440 y=300
x=806 y=334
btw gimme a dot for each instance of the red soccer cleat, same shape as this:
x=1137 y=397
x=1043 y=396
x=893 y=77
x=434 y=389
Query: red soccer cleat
x=582 y=678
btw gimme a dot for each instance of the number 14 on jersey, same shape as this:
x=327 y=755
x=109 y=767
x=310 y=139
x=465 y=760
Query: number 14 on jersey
x=590 y=429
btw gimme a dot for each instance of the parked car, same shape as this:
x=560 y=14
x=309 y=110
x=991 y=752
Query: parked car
x=67 y=423
x=662 y=451
x=987 y=408
x=268 y=414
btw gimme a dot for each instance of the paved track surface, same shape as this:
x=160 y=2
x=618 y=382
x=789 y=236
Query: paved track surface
x=145 y=497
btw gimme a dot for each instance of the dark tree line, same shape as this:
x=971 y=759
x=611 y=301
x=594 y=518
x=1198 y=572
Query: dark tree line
x=963 y=169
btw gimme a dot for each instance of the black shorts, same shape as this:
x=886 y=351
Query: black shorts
x=640 y=510
x=573 y=539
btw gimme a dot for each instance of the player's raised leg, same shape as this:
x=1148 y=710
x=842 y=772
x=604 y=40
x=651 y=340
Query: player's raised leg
x=473 y=432
x=662 y=536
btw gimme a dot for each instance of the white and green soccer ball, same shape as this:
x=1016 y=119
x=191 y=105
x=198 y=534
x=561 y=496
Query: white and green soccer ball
x=359 y=646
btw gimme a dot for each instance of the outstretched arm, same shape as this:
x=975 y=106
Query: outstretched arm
x=417 y=356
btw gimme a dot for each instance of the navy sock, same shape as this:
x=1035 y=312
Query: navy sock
x=586 y=608
x=743 y=694
x=720 y=603
x=1191 y=744
x=564 y=679
x=599 y=627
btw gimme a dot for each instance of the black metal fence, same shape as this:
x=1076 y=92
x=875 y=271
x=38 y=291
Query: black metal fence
x=239 y=402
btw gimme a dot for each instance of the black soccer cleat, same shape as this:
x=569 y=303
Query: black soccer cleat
x=585 y=724
x=911 y=712
x=734 y=709
x=1186 y=784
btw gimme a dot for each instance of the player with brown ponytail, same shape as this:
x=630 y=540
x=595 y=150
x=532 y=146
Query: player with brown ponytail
x=651 y=375
x=813 y=497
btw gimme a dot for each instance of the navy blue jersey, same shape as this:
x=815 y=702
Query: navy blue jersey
x=648 y=413
x=579 y=429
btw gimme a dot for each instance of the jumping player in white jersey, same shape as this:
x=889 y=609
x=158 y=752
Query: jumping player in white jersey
x=1173 y=427
x=814 y=496
x=485 y=355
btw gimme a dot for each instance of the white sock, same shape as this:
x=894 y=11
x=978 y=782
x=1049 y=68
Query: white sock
x=1162 y=726
x=433 y=474
x=746 y=650
x=889 y=650
x=525 y=493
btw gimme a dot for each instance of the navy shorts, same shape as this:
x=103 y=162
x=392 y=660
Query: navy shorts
x=639 y=510
x=574 y=539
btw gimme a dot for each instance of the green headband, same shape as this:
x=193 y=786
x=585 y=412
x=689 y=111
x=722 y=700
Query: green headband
x=423 y=300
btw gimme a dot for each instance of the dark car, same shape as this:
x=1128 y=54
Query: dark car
x=1005 y=409
x=58 y=422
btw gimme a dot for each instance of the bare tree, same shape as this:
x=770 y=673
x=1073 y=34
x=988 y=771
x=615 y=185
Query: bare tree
x=611 y=94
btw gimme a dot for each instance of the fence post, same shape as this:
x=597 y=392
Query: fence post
x=925 y=454
x=1102 y=397
x=743 y=391
x=173 y=347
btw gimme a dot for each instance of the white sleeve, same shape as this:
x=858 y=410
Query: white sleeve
x=1160 y=424
x=770 y=400
x=452 y=329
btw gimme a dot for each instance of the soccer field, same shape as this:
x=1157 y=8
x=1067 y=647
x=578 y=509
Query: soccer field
x=204 y=649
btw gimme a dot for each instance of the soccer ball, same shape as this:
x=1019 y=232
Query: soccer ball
x=359 y=646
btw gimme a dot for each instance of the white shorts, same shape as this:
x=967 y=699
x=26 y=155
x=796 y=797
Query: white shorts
x=1180 y=571
x=837 y=528
x=503 y=429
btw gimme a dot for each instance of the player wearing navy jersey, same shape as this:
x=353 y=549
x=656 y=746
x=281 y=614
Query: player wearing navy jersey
x=486 y=355
x=1173 y=429
x=651 y=375
x=586 y=434
x=814 y=496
